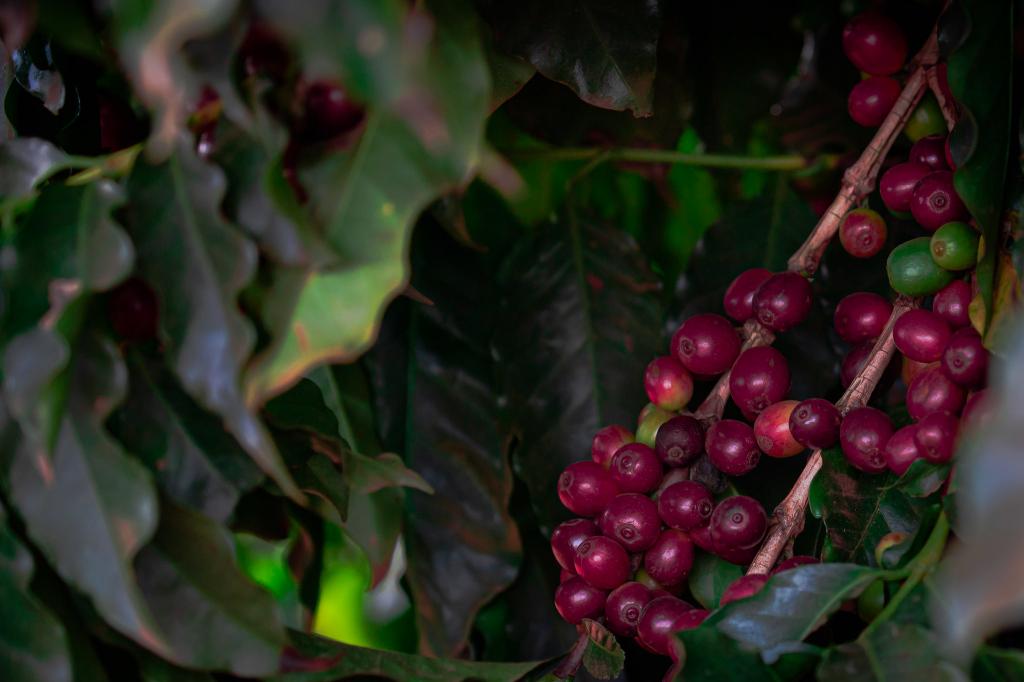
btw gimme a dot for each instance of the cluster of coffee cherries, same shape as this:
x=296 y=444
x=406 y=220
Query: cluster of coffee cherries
x=876 y=45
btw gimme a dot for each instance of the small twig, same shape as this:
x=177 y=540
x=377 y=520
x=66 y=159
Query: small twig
x=790 y=162
x=946 y=104
x=570 y=665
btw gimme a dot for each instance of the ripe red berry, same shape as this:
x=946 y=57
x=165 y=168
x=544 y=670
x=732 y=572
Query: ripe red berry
x=679 y=441
x=862 y=233
x=861 y=316
x=635 y=468
x=133 y=310
x=668 y=384
x=741 y=556
x=329 y=111
x=783 y=301
x=771 y=429
x=977 y=410
x=935 y=201
x=567 y=537
x=794 y=561
x=898 y=183
x=901 y=450
x=602 y=562
x=936 y=436
x=738 y=522
x=743 y=587
x=931 y=151
x=863 y=436
x=607 y=442
x=623 y=607
x=631 y=520
x=965 y=358
x=875 y=44
x=658 y=621
x=759 y=378
x=871 y=99
x=564 y=575
x=815 y=423
x=951 y=303
x=585 y=488
x=576 y=600
x=686 y=505
x=933 y=391
x=732 y=447
x=921 y=335
x=739 y=297
x=670 y=558
x=706 y=344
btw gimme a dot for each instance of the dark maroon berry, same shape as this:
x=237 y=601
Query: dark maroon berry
x=330 y=111
x=814 y=423
x=680 y=441
x=686 y=505
x=783 y=302
x=702 y=538
x=564 y=575
x=607 y=442
x=263 y=54
x=668 y=384
x=901 y=450
x=977 y=409
x=738 y=522
x=658 y=622
x=732 y=447
x=863 y=436
x=623 y=607
x=635 y=468
x=898 y=183
x=965 y=359
x=875 y=44
x=585 y=488
x=933 y=391
x=862 y=233
x=743 y=587
x=871 y=99
x=936 y=436
x=794 y=561
x=935 y=201
x=951 y=303
x=133 y=310
x=670 y=558
x=771 y=429
x=739 y=297
x=602 y=562
x=567 y=537
x=861 y=316
x=576 y=600
x=931 y=151
x=759 y=378
x=631 y=520
x=921 y=335
x=706 y=344
x=741 y=556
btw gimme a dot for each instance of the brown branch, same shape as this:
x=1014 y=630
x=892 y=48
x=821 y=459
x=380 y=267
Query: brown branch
x=946 y=104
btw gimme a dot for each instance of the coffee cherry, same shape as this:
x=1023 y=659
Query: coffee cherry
x=871 y=100
x=658 y=622
x=651 y=419
x=901 y=450
x=668 y=384
x=977 y=410
x=607 y=442
x=921 y=335
x=771 y=429
x=965 y=359
x=706 y=344
x=911 y=368
x=732 y=447
x=739 y=297
x=951 y=303
x=623 y=607
x=602 y=562
x=931 y=151
x=936 y=436
x=738 y=522
x=861 y=316
x=631 y=520
x=926 y=119
x=935 y=201
x=585 y=488
x=862 y=233
x=635 y=468
x=863 y=436
x=567 y=537
x=814 y=423
x=912 y=270
x=875 y=44
x=955 y=246
x=133 y=310
x=743 y=587
x=329 y=111
x=670 y=558
x=949 y=156
x=686 y=505
x=783 y=301
x=702 y=538
x=759 y=378
x=576 y=600
x=794 y=561
x=898 y=183
x=564 y=575
x=263 y=54
x=680 y=441
x=933 y=391
x=741 y=556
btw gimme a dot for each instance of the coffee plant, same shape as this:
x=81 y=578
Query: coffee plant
x=451 y=340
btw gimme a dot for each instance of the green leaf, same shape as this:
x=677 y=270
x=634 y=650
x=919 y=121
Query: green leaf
x=188 y=575
x=316 y=659
x=603 y=50
x=603 y=658
x=581 y=320
x=923 y=478
x=197 y=263
x=980 y=76
x=893 y=652
x=33 y=644
x=709 y=577
x=711 y=656
x=24 y=163
x=998 y=665
x=696 y=207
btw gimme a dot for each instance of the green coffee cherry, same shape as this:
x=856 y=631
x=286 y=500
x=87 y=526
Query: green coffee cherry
x=651 y=419
x=871 y=601
x=926 y=120
x=955 y=246
x=913 y=271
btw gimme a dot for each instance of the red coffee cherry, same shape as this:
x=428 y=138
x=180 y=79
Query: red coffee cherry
x=898 y=183
x=931 y=151
x=668 y=384
x=863 y=436
x=965 y=358
x=585 y=488
x=936 y=436
x=783 y=301
x=658 y=621
x=567 y=537
x=686 y=505
x=759 y=378
x=623 y=607
x=631 y=520
x=706 y=344
x=862 y=233
x=738 y=522
x=576 y=600
x=935 y=201
x=635 y=469
x=861 y=316
x=901 y=450
x=875 y=44
x=933 y=391
x=815 y=423
x=679 y=441
x=602 y=562
x=739 y=297
x=951 y=303
x=772 y=430
x=607 y=442
x=921 y=335
x=732 y=447
x=871 y=100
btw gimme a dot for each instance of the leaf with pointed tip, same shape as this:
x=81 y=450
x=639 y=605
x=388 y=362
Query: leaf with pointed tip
x=892 y=652
x=197 y=263
x=24 y=163
x=709 y=577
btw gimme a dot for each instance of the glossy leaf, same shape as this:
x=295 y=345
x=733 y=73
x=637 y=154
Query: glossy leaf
x=923 y=478
x=891 y=652
x=709 y=577
x=603 y=658
x=710 y=655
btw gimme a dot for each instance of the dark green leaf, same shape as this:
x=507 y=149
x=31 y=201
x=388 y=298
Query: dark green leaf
x=923 y=478
x=603 y=658
x=711 y=656
x=508 y=74
x=709 y=577
x=998 y=665
x=891 y=652
x=153 y=669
